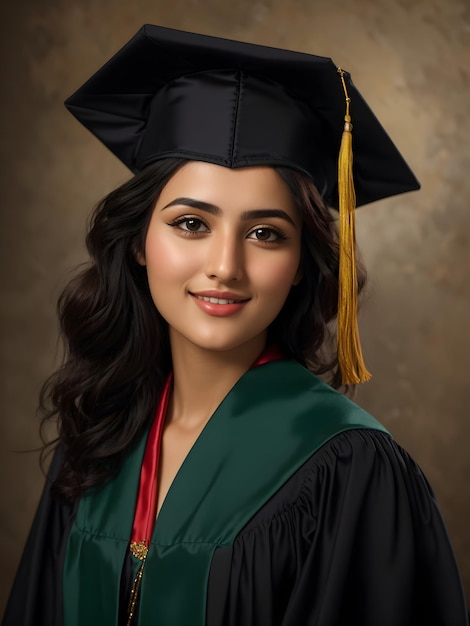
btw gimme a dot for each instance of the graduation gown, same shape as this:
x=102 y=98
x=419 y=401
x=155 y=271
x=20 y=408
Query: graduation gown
x=339 y=527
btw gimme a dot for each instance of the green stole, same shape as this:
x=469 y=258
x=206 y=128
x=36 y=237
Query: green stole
x=275 y=417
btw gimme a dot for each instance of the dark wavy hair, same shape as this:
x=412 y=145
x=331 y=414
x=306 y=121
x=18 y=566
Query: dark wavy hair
x=116 y=348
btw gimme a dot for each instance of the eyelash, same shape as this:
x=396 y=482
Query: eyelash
x=280 y=236
x=183 y=220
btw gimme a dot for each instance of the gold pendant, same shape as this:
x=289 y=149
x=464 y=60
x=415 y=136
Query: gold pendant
x=139 y=549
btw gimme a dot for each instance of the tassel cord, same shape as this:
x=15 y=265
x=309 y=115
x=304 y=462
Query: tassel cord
x=350 y=358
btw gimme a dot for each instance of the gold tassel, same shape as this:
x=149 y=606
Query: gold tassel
x=350 y=359
x=139 y=550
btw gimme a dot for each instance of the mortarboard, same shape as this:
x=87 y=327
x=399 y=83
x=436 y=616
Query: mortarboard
x=169 y=93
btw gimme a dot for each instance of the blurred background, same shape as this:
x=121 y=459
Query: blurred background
x=409 y=58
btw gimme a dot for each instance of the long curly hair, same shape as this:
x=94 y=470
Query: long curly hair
x=116 y=347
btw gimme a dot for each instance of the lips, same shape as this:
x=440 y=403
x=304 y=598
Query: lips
x=219 y=303
x=216 y=300
x=219 y=297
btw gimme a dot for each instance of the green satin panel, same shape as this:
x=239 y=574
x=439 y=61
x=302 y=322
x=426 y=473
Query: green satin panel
x=272 y=421
x=97 y=547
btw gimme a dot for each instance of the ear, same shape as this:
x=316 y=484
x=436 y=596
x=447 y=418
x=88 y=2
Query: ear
x=140 y=258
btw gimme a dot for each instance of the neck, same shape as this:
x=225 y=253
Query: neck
x=202 y=378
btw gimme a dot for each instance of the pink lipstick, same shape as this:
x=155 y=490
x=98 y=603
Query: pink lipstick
x=219 y=303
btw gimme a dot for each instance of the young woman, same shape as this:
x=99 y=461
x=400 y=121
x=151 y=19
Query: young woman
x=204 y=474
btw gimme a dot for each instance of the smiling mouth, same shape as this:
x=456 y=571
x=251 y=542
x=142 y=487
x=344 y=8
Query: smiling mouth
x=219 y=300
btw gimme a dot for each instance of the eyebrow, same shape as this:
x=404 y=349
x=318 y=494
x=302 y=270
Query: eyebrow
x=213 y=209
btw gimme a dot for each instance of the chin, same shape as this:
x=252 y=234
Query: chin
x=226 y=344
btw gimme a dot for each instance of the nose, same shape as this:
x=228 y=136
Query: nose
x=225 y=258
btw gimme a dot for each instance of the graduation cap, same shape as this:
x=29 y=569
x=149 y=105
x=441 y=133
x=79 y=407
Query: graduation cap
x=169 y=93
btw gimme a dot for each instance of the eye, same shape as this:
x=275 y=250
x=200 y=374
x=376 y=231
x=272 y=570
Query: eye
x=190 y=225
x=266 y=234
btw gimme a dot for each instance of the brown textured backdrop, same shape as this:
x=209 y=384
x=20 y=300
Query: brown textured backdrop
x=411 y=60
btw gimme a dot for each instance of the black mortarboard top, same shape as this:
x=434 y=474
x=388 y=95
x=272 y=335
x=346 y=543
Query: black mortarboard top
x=173 y=93
x=169 y=93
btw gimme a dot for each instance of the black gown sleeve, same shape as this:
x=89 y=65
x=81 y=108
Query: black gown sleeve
x=36 y=595
x=354 y=538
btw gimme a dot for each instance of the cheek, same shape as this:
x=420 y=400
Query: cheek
x=276 y=276
x=165 y=259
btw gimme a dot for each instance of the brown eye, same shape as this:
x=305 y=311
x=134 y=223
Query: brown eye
x=193 y=224
x=263 y=234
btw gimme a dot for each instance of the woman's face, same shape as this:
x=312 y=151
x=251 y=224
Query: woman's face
x=222 y=253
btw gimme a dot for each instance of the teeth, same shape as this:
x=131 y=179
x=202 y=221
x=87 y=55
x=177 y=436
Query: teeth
x=216 y=300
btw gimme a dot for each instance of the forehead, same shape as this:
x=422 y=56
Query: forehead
x=243 y=188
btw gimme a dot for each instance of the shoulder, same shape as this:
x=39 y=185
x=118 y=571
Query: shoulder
x=357 y=522
x=354 y=469
x=289 y=384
